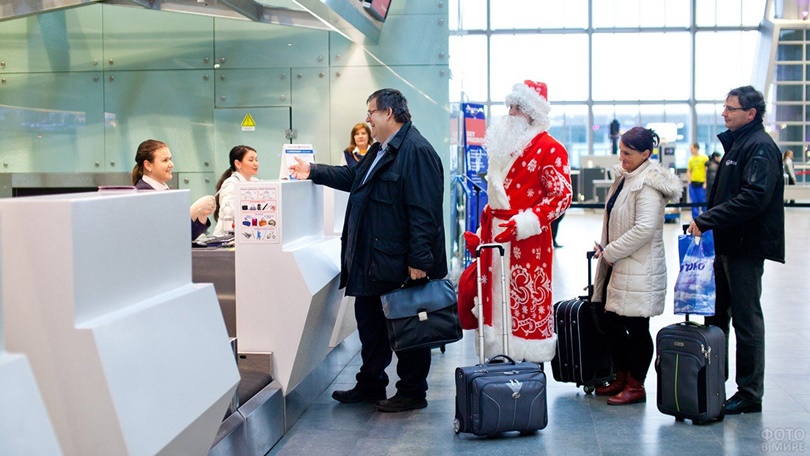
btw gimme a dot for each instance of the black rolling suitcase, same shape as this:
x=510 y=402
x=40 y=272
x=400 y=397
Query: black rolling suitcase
x=494 y=397
x=582 y=355
x=690 y=364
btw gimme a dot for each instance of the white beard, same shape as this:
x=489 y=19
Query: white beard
x=506 y=139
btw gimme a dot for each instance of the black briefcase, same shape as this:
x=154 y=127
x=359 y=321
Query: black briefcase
x=423 y=313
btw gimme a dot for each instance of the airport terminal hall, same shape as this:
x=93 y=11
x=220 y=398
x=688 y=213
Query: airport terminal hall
x=404 y=227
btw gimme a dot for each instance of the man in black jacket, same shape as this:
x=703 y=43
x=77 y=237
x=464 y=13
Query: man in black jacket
x=746 y=213
x=393 y=230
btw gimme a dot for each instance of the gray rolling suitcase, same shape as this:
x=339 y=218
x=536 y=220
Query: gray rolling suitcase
x=494 y=397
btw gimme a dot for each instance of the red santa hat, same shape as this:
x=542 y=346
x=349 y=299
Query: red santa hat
x=532 y=97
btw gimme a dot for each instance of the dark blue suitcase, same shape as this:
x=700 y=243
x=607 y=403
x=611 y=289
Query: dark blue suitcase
x=494 y=397
x=499 y=397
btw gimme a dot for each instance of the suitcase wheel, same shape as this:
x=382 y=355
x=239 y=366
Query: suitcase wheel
x=588 y=389
x=718 y=419
x=677 y=418
x=456 y=425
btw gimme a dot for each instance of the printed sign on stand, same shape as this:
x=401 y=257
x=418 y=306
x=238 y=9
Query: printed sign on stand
x=289 y=152
x=259 y=214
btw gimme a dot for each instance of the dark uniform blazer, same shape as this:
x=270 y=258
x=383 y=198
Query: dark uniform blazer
x=197 y=228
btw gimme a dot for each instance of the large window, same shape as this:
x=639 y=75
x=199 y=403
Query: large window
x=641 y=62
x=723 y=60
x=641 y=66
x=561 y=61
x=640 y=13
x=539 y=14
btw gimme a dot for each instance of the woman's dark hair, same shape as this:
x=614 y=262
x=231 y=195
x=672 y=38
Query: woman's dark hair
x=237 y=153
x=355 y=129
x=146 y=152
x=749 y=97
x=392 y=98
x=640 y=139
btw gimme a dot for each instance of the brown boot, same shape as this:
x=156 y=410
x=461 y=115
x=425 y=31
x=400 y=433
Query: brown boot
x=632 y=393
x=614 y=387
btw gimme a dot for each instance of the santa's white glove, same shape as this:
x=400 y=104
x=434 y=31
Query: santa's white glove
x=203 y=207
x=475 y=307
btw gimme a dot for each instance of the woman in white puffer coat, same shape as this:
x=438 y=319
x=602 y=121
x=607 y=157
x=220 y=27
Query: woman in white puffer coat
x=631 y=276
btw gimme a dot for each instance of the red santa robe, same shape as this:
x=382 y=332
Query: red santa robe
x=535 y=189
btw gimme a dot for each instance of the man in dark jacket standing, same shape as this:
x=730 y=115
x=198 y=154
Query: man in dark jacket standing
x=746 y=213
x=393 y=230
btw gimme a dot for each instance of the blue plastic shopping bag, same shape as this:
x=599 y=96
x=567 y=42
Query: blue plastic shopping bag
x=685 y=240
x=695 y=289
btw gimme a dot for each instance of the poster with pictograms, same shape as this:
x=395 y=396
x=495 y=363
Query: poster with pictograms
x=258 y=216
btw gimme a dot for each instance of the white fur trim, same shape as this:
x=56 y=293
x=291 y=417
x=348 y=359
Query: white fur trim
x=537 y=351
x=531 y=103
x=527 y=223
x=496 y=194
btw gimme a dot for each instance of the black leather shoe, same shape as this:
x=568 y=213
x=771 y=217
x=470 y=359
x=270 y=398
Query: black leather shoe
x=557 y=246
x=740 y=404
x=400 y=403
x=357 y=395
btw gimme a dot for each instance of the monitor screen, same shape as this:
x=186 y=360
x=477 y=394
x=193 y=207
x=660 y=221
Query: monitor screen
x=377 y=8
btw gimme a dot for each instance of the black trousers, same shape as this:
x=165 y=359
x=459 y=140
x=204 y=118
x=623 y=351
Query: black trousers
x=412 y=365
x=631 y=344
x=739 y=288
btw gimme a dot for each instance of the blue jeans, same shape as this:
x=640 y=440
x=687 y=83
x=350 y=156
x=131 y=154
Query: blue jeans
x=739 y=287
x=697 y=194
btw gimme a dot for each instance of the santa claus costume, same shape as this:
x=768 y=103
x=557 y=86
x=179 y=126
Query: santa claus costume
x=528 y=185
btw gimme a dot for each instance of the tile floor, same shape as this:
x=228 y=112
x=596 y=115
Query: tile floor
x=582 y=424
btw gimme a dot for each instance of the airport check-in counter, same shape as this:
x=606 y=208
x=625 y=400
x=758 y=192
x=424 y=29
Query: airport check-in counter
x=129 y=356
x=288 y=254
x=279 y=296
x=287 y=275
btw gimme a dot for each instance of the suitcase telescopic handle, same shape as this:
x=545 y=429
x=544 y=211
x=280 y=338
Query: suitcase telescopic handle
x=489 y=246
x=589 y=255
x=504 y=310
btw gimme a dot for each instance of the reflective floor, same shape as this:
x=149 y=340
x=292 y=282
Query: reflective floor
x=582 y=424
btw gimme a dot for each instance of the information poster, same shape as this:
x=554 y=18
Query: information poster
x=258 y=216
x=289 y=152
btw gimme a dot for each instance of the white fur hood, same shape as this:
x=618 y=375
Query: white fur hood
x=651 y=174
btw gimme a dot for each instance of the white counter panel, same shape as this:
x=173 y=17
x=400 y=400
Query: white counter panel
x=130 y=356
x=25 y=427
x=287 y=294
